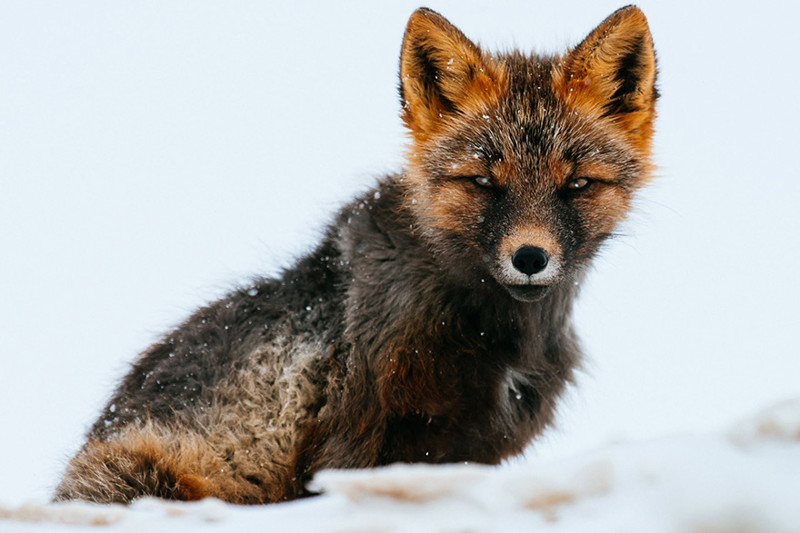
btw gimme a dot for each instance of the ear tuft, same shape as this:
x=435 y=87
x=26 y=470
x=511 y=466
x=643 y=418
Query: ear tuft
x=441 y=72
x=614 y=69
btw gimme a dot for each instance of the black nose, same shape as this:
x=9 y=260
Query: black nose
x=529 y=260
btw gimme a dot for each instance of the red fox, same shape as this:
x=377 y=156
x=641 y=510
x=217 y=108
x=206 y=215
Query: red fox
x=432 y=323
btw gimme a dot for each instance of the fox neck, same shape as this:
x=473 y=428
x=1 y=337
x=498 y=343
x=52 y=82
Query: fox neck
x=428 y=361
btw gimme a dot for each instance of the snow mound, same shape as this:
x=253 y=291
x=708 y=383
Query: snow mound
x=746 y=480
x=74 y=514
x=779 y=422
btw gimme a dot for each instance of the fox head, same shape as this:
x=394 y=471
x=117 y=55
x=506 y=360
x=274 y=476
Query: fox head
x=520 y=166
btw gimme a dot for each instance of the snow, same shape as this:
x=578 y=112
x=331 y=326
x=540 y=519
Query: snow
x=156 y=154
x=780 y=422
x=705 y=482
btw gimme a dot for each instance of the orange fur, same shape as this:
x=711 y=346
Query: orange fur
x=586 y=78
x=530 y=235
x=467 y=80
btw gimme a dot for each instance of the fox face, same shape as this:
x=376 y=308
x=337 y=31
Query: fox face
x=519 y=166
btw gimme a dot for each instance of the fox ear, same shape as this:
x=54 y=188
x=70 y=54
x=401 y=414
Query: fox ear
x=614 y=69
x=441 y=72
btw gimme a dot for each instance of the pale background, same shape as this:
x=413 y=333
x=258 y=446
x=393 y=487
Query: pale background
x=155 y=154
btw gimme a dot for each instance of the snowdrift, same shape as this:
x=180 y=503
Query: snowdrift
x=745 y=480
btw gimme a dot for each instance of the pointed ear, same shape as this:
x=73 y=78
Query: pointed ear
x=614 y=69
x=442 y=72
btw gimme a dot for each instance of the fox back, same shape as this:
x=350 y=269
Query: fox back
x=432 y=323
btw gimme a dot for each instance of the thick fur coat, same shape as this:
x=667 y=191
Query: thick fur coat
x=432 y=323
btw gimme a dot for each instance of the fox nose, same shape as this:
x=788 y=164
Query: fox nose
x=529 y=260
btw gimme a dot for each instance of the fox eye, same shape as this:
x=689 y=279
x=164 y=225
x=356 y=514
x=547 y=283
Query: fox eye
x=579 y=184
x=483 y=181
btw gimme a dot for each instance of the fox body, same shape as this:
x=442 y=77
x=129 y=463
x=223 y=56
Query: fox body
x=432 y=323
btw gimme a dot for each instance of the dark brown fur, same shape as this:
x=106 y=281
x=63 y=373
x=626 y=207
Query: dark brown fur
x=408 y=335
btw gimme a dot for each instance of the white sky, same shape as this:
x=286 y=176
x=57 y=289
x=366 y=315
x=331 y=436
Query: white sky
x=154 y=154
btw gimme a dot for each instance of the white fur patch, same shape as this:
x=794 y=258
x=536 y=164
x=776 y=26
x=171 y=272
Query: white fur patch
x=547 y=276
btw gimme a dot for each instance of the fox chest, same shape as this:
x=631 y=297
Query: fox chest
x=486 y=427
x=458 y=405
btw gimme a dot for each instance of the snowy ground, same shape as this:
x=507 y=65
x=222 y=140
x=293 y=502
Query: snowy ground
x=747 y=480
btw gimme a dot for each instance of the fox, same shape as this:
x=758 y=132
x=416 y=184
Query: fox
x=433 y=321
